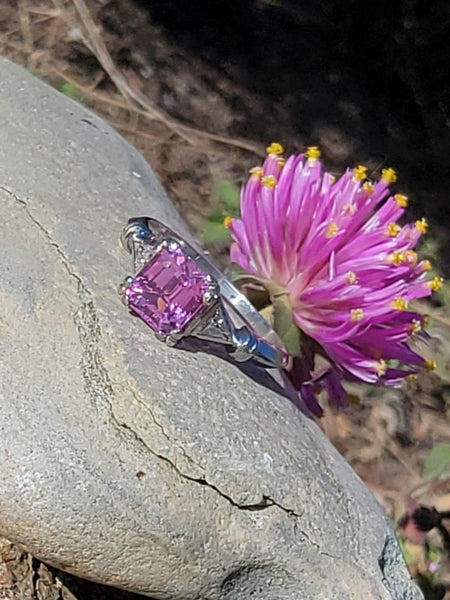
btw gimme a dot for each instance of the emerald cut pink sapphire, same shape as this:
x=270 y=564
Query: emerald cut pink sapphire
x=168 y=292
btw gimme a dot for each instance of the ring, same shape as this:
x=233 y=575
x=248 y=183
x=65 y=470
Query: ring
x=179 y=293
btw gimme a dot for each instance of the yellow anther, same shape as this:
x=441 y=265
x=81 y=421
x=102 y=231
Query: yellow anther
x=356 y=314
x=269 y=181
x=426 y=265
x=396 y=258
x=435 y=284
x=332 y=230
x=381 y=367
x=429 y=365
x=389 y=175
x=415 y=326
x=410 y=257
x=313 y=152
x=281 y=162
x=400 y=303
x=351 y=278
x=228 y=221
x=422 y=225
x=360 y=172
x=425 y=321
x=393 y=229
x=258 y=171
x=368 y=187
x=275 y=148
x=348 y=209
x=412 y=376
x=401 y=200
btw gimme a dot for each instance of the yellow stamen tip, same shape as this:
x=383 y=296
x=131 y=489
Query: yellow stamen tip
x=396 y=257
x=281 y=162
x=356 y=314
x=422 y=225
x=401 y=200
x=425 y=321
x=351 y=278
x=313 y=152
x=415 y=326
x=381 y=367
x=393 y=229
x=332 y=230
x=412 y=376
x=435 y=284
x=348 y=209
x=430 y=365
x=400 y=303
x=389 y=175
x=257 y=171
x=368 y=187
x=426 y=265
x=275 y=148
x=269 y=181
x=228 y=221
x=410 y=258
x=360 y=172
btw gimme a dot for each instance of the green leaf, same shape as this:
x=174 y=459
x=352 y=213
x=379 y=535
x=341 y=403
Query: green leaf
x=216 y=217
x=215 y=233
x=284 y=324
x=72 y=91
x=437 y=461
x=228 y=194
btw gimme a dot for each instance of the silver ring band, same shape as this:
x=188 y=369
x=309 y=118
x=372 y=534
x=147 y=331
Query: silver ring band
x=179 y=293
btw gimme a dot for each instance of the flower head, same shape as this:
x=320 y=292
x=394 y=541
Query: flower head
x=344 y=269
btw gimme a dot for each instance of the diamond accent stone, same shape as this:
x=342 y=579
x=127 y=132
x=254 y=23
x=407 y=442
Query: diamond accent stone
x=168 y=291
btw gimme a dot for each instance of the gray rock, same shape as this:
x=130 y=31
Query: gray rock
x=168 y=473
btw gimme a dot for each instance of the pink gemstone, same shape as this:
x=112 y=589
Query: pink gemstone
x=168 y=292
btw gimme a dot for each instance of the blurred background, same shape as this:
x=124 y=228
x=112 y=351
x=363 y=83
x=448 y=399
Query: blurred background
x=201 y=88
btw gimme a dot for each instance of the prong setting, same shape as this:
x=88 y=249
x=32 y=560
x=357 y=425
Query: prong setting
x=208 y=298
x=213 y=292
x=172 y=245
x=123 y=289
x=173 y=338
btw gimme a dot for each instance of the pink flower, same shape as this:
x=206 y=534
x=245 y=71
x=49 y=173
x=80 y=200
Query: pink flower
x=336 y=256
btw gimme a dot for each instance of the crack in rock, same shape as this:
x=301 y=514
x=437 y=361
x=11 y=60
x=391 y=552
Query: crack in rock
x=86 y=320
x=266 y=501
x=315 y=544
x=97 y=382
x=46 y=233
x=172 y=440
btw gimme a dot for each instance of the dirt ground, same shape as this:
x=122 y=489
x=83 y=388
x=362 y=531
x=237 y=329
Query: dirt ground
x=201 y=123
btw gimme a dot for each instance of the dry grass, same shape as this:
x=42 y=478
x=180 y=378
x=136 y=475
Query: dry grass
x=64 y=42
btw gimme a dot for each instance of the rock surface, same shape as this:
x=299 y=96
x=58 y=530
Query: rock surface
x=168 y=473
